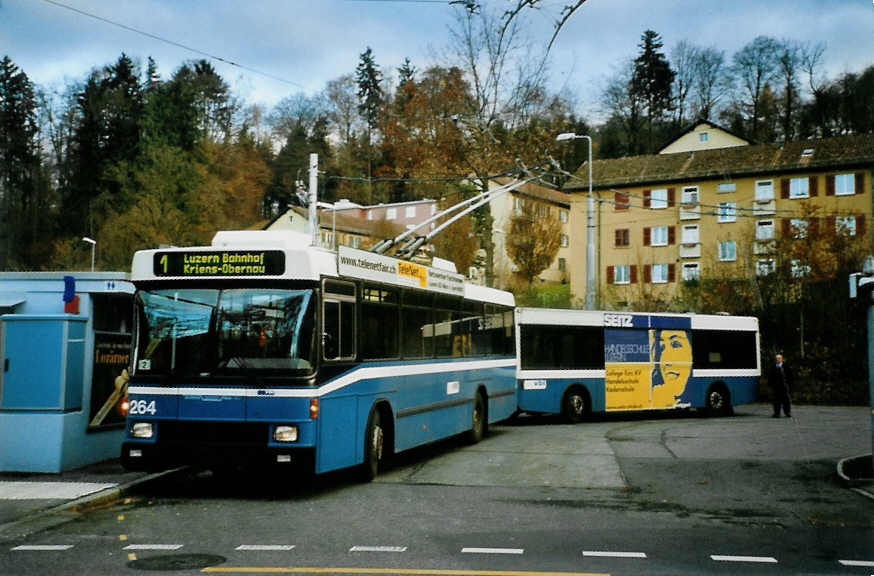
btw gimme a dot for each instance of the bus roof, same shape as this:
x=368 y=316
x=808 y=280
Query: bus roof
x=610 y=319
x=272 y=254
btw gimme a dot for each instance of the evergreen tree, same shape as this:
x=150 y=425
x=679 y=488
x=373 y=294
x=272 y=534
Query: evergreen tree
x=651 y=82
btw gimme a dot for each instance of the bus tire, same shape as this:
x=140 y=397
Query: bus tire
x=479 y=419
x=575 y=405
x=719 y=400
x=374 y=444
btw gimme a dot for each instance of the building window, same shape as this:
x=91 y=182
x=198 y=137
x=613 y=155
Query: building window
x=659 y=236
x=726 y=187
x=659 y=273
x=410 y=212
x=562 y=264
x=727 y=212
x=564 y=241
x=845 y=184
x=622 y=237
x=562 y=216
x=728 y=251
x=355 y=241
x=765 y=266
x=690 y=195
x=845 y=225
x=621 y=201
x=658 y=199
x=799 y=228
x=799 y=270
x=391 y=214
x=690 y=234
x=764 y=190
x=691 y=271
x=703 y=137
x=765 y=230
x=622 y=274
x=799 y=188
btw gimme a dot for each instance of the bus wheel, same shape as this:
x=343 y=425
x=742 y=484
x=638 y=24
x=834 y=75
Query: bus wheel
x=575 y=405
x=373 y=446
x=479 y=420
x=719 y=401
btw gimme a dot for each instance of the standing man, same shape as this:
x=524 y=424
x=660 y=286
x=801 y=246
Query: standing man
x=780 y=379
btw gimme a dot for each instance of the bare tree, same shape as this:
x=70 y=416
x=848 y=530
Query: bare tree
x=712 y=81
x=297 y=110
x=789 y=62
x=342 y=104
x=684 y=58
x=755 y=65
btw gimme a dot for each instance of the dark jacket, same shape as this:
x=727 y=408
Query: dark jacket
x=780 y=380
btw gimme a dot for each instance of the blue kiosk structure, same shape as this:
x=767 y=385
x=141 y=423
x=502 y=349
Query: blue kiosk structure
x=64 y=340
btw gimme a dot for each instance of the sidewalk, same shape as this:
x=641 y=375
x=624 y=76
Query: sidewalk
x=30 y=502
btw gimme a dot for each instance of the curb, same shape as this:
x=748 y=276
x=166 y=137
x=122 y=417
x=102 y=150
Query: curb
x=39 y=520
x=856 y=484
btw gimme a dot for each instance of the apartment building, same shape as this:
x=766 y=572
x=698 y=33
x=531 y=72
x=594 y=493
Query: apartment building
x=692 y=212
x=548 y=202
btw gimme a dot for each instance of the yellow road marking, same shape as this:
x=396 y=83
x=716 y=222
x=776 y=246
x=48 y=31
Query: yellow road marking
x=121 y=517
x=385 y=571
x=122 y=537
x=131 y=556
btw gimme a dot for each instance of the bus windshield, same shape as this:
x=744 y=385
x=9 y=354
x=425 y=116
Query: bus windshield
x=203 y=332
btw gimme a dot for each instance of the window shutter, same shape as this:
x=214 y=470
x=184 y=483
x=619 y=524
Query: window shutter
x=647 y=234
x=647 y=198
x=860 y=225
x=671 y=273
x=812 y=185
x=860 y=182
x=671 y=197
x=830 y=185
x=617 y=240
x=787 y=227
x=610 y=274
x=784 y=188
x=632 y=274
x=672 y=235
x=647 y=273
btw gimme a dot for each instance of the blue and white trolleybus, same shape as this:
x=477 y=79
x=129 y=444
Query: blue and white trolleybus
x=263 y=348
x=576 y=361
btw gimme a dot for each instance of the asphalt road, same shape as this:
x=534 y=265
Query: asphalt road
x=639 y=495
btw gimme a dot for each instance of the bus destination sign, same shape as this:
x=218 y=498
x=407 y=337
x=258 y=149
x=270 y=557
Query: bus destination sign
x=223 y=264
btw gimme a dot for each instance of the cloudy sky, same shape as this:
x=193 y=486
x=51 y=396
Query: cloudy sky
x=301 y=44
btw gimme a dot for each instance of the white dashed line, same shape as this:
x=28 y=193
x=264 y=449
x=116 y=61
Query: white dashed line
x=43 y=547
x=517 y=551
x=757 y=559
x=859 y=563
x=266 y=547
x=153 y=547
x=378 y=549
x=604 y=554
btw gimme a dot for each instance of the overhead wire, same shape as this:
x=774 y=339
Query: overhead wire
x=172 y=43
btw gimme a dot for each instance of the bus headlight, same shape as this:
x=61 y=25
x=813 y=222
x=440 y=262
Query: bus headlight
x=141 y=430
x=285 y=434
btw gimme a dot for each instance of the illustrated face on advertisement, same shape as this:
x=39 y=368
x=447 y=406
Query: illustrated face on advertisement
x=672 y=359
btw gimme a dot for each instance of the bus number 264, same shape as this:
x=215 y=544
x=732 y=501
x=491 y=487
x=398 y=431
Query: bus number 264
x=143 y=407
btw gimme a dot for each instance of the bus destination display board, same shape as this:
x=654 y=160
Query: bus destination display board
x=223 y=264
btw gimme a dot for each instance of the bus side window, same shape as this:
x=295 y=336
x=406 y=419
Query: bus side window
x=338 y=320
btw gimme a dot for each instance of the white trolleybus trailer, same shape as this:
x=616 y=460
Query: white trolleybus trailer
x=264 y=348
x=576 y=361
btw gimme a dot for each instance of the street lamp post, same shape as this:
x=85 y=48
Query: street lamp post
x=590 y=224
x=93 y=246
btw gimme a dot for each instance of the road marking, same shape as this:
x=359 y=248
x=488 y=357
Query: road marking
x=43 y=547
x=602 y=554
x=131 y=556
x=153 y=547
x=378 y=549
x=266 y=547
x=861 y=563
x=49 y=490
x=759 y=559
x=384 y=571
x=493 y=551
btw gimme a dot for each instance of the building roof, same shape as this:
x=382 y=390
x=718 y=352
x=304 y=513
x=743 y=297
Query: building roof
x=842 y=152
x=539 y=192
x=693 y=126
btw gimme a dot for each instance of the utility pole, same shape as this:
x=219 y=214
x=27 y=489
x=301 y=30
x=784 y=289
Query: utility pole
x=590 y=224
x=313 y=214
